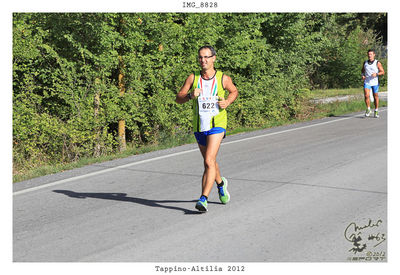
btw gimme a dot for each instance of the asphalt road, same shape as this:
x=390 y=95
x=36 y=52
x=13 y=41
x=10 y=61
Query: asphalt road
x=296 y=192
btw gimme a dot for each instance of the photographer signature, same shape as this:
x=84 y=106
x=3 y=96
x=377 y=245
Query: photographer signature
x=355 y=234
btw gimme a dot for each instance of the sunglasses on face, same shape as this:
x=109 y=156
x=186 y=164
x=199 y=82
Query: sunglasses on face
x=205 y=57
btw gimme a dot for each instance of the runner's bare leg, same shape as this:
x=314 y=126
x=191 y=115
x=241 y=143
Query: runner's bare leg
x=376 y=100
x=218 y=176
x=211 y=168
x=366 y=97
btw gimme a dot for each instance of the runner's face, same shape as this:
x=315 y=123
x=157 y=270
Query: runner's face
x=206 y=59
x=371 y=56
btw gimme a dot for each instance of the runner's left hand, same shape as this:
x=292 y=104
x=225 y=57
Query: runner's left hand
x=223 y=104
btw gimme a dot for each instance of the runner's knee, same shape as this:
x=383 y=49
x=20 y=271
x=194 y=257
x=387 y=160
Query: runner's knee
x=210 y=162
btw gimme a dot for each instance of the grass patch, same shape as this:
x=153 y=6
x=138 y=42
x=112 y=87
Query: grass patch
x=342 y=108
x=310 y=111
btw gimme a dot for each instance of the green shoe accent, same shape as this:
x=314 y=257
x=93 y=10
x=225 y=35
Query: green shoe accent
x=201 y=205
x=376 y=114
x=223 y=193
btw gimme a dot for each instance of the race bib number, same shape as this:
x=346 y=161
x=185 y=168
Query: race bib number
x=208 y=105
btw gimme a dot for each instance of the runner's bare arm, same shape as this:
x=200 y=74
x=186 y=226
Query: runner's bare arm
x=181 y=96
x=363 y=73
x=233 y=92
x=380 y=68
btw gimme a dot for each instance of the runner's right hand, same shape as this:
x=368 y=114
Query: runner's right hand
x=197 y=92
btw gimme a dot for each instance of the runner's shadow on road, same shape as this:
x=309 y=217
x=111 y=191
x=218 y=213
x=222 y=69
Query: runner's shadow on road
x=123 y=197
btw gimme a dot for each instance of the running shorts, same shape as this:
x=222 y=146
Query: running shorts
x=375 y=89
x=201 y=137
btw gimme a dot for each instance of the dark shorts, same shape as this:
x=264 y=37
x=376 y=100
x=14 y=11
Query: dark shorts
x=201 y=137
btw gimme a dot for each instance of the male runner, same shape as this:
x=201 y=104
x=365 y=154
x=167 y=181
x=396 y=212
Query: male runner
x=206 y=89
x=370 y=71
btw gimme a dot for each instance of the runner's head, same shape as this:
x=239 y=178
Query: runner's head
x=207 y=57
x=371 y=55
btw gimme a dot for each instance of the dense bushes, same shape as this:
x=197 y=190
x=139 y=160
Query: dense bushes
x=69 y=70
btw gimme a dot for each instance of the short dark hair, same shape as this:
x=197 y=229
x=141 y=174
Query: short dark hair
x=213 y=52
x=371 y=50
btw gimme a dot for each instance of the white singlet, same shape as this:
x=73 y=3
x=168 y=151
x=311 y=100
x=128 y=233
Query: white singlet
x=208 y=102
x=369 y=70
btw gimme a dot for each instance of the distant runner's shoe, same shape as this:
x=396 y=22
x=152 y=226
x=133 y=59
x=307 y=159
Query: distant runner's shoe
x=376 y=114
x=367 y=112
x=201 y=205
x=223 y=193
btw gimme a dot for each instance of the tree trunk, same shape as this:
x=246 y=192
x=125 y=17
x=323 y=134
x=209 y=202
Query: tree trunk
x=97 y=146
x=121 y=123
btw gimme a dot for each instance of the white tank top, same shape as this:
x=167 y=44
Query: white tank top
x=369 y=70
x=208 y=98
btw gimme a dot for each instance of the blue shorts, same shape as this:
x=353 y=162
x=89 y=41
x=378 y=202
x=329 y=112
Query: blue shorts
x=375 y=89
x=201 y=137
